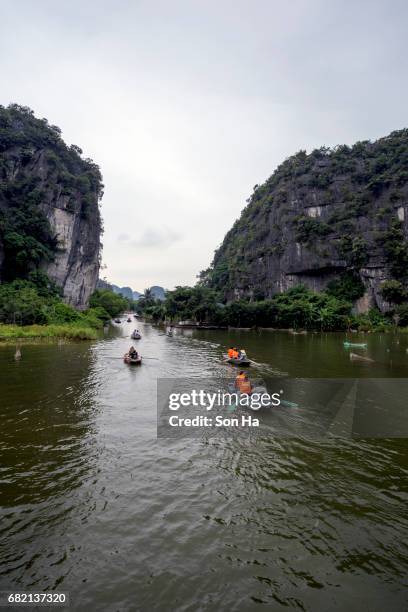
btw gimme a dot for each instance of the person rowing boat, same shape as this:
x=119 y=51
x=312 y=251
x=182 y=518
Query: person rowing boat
x=132 y=356
x=237 y=357
x=243 y=384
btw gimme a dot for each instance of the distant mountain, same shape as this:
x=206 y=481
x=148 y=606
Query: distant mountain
x=127 y=292
x=158 y=292
x=101 y=284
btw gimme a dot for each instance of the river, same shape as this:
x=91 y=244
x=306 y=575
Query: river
x=93 y=504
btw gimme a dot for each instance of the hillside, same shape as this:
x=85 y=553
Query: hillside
x=49 y=206
x=336 y=216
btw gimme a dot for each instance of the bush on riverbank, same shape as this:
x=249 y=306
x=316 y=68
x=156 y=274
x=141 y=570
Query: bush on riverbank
x=33 y=308
x=112 y=303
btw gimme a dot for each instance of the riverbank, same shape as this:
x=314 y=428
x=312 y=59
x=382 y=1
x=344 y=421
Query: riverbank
x=67 y=331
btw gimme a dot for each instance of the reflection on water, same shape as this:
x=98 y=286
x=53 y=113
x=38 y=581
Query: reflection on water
x=92 y=503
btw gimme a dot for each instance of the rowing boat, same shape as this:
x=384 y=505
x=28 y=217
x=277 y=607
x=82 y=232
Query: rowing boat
x=132 y=360
x=237 y=362
x=135 y=335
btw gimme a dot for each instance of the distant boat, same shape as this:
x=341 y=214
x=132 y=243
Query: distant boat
x=355 y=344
x=118 y=321
x=135 y=335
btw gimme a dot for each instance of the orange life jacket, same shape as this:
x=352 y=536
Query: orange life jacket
x=235 y=354
x=244 y=385
x=230 y=353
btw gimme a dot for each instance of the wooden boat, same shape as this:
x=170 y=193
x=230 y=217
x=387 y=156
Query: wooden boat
x=118 y=321
x=348 y=344
x=131 y=360
x=237 y=362
x=129 y=320
x=169 y=333
x=356 y=357
x=135 y=335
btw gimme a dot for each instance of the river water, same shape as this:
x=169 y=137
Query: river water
x=93 y=504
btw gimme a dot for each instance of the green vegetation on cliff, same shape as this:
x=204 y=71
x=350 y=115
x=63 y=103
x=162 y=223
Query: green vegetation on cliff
x=320 y=218
x=36 y=166
x=38 y=174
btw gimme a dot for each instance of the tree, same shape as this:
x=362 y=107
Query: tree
x=393 y=291
x=113 y=303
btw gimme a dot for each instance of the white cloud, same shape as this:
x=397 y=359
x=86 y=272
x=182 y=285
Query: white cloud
x=156 y=238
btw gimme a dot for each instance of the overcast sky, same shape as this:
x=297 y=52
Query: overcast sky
x=185 y=105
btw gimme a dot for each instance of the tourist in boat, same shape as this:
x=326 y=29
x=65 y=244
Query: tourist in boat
x=235 y=353
x=243 y=384
x=133 y=354
x=230 y=353
x=242 y=356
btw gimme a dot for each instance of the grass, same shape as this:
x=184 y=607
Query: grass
x=66 y=330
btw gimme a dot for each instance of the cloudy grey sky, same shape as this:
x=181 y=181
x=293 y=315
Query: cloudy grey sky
x=186 y=104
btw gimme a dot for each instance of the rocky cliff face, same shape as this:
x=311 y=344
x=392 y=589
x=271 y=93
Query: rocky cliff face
x=49 y=212
x=318 y=217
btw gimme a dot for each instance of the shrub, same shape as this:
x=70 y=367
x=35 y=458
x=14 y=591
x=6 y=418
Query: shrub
x=112 y=303
x=348 y=287
x=393 y=291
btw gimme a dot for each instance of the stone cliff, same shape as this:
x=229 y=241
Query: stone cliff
x=49 y=206
x=319 y=217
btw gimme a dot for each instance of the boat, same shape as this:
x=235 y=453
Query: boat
x=132 y=360
x=356 y=357
x=348 y=344
x=129 y=320
x=135 y=335
x=169 y=333
x=118 y=321
x=237 y=362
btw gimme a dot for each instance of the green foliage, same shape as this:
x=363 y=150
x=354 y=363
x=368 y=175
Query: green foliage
x=298 y=307
x=358 y=189
x=394 y=292
x=25 y=303
x=354 y=250
x=395 y=249
x=112 y=303
x=402 y=313
x=308 y=229
x=66 y=331
x=25 y=233
x=21 y=303
x=348 y=287
x=373 y=320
